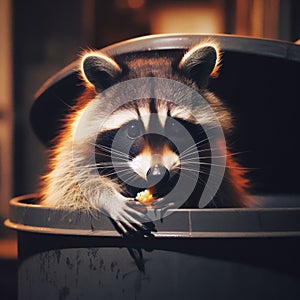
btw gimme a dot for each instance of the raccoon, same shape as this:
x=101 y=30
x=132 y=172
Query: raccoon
x=136 y=145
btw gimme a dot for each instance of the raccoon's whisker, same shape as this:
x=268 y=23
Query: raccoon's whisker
x=203 y=169
x=204 y=163
x=197 y=151
x=209 y=149
x=191 y=175
x=129 y=171
x=228 y=167
x=215 y=156
x=200 y=142
x=116 y=173
x=189 y=154
x=104 y=168
x=186 y=163
x=64 y=102
x=86 y=169
x=210 y=173
x=110 y=151
x=100 y=146
x=100 y=166
x=192 y=170
x=192 y=159
x=194 y=145
x=123 y=159
x=116 y=156
x=190 y=167
x=119 y=156
x=211 y=156
x=222 y=166
x=197 y=159
x=131 y=178
x=225 y=155
x=117 y=164
x=200 y=180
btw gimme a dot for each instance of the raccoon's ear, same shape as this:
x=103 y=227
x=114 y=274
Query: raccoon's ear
x=100 y=70
x=199 y=63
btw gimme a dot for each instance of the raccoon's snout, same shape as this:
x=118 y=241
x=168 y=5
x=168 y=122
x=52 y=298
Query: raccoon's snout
x=160 y=180
x=157 y=176
x=157 y=167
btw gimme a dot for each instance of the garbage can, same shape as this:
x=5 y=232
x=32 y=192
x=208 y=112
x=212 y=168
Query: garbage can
x=196 y=253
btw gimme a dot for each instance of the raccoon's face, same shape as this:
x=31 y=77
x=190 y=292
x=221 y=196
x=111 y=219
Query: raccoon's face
x=147 y=143
x=149 y=148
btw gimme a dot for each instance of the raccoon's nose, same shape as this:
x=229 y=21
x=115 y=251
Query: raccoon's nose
x=157 y=174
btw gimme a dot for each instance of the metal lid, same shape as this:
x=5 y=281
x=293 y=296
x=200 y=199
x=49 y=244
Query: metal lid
x=59 y=93
x=183 y=223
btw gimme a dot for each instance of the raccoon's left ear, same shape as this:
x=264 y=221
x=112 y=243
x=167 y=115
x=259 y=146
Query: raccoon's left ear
x=100 y=70
x=199 y=63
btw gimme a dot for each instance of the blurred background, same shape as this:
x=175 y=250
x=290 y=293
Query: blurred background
x=38 y=38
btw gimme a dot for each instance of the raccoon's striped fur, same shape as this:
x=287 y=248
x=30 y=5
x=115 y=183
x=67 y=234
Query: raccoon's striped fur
x=152 y=153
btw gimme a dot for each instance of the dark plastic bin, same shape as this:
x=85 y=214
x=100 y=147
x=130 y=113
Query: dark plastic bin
x=195 y=253
x=258 y=82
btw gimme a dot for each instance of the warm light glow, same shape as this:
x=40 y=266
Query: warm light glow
x=8 y=249
x=187 y=18
x=257 y=18
x=134 y=4
x=6 y=109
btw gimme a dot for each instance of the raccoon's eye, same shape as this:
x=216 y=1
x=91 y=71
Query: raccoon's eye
x=134 y=130
x=174 y=128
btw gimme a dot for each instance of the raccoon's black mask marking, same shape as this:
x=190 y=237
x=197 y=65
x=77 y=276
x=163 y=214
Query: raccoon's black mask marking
x=116 y=148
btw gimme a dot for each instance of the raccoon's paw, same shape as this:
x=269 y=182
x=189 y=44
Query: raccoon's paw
x=128 y=216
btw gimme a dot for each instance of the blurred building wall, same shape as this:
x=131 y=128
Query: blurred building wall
x=50 y=34
x=6 y=109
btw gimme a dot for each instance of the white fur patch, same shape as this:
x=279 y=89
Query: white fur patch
x=181 y=113
x=144 y=161
x=119 y=118
x=145 y=115
x=170 y=160
x=162 y=111
x=141 y=164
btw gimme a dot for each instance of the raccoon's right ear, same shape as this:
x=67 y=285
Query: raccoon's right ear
x=200 y=63
x=100 y=70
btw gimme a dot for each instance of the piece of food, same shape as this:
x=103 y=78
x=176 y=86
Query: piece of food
x=145 y=197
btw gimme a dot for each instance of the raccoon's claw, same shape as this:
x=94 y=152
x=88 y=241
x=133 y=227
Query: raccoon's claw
x=129 y=217
x=135 y=227
x=127 y=229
